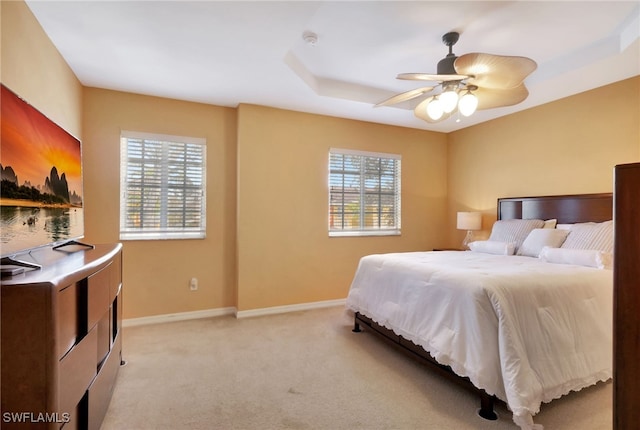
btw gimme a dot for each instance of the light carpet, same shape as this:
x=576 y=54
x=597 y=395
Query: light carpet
x=302 y=370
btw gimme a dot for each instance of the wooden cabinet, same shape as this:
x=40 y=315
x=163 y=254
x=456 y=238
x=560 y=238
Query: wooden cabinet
x=61 y=339
x=626 y=276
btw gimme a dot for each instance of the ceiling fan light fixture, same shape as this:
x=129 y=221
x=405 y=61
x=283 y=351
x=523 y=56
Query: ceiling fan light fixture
x=449 y=98
x=434 y=109
x=498 y=79
x=468 y=103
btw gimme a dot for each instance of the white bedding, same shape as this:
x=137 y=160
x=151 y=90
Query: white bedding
x=520 y=328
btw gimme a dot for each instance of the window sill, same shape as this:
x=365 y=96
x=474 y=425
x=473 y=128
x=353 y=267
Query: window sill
x=161 y=236
x=364 y=233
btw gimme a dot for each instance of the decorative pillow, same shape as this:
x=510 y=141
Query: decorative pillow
x=514 y=230
x=541 y=237
x=492 y=247
x=550 y=223
x=591 y=235
x=564 y=226
x=580 y=257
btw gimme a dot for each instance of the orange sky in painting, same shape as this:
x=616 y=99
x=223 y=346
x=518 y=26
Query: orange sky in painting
x=32 y=144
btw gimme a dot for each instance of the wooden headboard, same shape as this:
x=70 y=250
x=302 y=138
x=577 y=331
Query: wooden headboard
x=567 y=209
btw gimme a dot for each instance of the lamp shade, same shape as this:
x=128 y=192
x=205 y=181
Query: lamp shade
x=434 y=109
x=449 y=100
x=469 y=221
x=468 y=104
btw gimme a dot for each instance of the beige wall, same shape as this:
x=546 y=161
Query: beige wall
x=156 y=274
x=284 y=253
x=566 y=147
x=267 y=242
x=34 y=69
x=290 y=261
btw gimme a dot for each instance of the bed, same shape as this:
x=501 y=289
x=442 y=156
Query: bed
x=524 y=317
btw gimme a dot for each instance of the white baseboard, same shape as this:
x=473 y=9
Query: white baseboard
x=209 y=313
x=181 y=316
x=290 y=308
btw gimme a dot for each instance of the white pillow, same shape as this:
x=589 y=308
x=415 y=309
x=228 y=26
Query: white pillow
x=550 y=223
x=541 y=237
x=580 y=257
x=514 y=230
x=492 y=247
x=591 y=235
x=564 y=226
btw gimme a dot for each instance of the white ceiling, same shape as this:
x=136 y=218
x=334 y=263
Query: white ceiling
x=226 y=53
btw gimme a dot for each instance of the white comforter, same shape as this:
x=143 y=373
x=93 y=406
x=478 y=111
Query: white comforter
x=522 y=329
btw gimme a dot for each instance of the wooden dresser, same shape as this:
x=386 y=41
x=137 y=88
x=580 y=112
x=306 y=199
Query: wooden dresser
x=61 y=339
x=626 y=298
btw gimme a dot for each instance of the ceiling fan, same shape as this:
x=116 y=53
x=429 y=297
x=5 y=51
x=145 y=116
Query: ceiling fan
x=467 y=83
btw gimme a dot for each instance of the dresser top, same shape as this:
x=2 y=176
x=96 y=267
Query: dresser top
x=62 y=267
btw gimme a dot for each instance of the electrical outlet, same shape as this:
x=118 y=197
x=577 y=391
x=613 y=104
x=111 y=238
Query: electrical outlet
x=193 y=284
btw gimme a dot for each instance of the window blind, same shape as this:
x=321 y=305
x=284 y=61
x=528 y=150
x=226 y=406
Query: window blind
x=364 y=193
x=163 y=187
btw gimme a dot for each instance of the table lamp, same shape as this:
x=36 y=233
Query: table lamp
x=469 y=221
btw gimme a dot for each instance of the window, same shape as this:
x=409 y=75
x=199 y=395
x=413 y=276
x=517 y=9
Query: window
x=364 y=193
x=162 y=187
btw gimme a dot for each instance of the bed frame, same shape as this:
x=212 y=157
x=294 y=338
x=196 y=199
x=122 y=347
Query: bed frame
x=567 y=209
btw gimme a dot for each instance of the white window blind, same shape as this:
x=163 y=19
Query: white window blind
x=162 y=187
x=364 y=193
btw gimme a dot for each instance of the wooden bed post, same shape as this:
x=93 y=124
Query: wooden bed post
x=486 y=407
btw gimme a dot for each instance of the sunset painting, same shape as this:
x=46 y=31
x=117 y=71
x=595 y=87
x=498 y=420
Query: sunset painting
x=41 y=166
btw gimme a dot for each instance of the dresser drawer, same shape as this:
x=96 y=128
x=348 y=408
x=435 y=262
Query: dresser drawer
x=104 y=337
x=102 y=387
x=67 y=319
x=77 y=370
x=98 y=295
x=116 y=277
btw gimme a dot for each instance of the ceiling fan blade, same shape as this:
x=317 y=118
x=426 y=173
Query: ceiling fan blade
x=402 y=97
x=489 y=98
x=429 y=77
x=494 y=71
